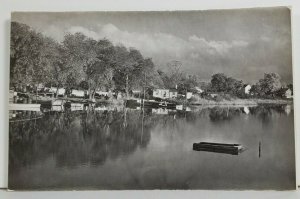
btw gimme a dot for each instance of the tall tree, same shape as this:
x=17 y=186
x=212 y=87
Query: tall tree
x=269 y=84
x=219 y=82
x=25 y=56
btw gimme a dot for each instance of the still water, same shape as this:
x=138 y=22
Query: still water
x=123 y=148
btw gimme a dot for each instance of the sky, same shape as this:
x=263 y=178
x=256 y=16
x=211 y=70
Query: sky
x=242 y=43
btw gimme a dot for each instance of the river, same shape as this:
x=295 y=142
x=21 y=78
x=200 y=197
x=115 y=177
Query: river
x=123 y=148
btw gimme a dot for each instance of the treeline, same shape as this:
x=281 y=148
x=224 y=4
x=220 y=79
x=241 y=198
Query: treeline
x=269 y=86
x=81 y=62
x=85 y=63
x=78 y=61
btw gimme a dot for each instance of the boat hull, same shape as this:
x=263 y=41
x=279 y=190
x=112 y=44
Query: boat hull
x=233 y=149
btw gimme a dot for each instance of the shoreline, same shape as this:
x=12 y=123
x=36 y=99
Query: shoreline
x=244 y=102
x=198 y=102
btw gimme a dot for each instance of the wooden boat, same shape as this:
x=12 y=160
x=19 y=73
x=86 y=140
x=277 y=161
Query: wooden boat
x=24 y=107
x=233 y=149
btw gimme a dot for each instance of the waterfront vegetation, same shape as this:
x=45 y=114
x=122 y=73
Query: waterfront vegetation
x=80 y=62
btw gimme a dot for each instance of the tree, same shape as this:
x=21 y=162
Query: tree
x=25 y=56
x=269 y=84
x=175 y=73
x=129 y=71
x=219 y=82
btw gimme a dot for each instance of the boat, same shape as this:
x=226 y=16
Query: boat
x=24 y=107
x=233 y=149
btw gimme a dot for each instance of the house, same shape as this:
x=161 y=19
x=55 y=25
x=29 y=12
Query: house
x=189 y=95
x=288 y=94
x=213 y=94
x=173 y=93
x=199 y=90
x=52 y=90
x=40 y=87
x=101 y=93
x=61 y=92
x=77 y=93
x=247 y=89
x=136 y=93
x=161 y=93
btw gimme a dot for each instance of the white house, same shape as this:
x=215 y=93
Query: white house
x=161 y=93
x=61 y=92
x=288 y=94
x=189 y=95
x=52 y=90
x=77 y=93
x=247 y=89
x=199 y=90
x=40 y=87
x=101 y=93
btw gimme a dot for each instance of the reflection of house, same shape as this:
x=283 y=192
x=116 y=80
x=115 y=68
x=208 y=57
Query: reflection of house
x=173 y=93
x=160 y=111
x=288 y=109
x=288 y=94
x=247 y=89
x=77 y=107
x=161 y=93
x=246 y=110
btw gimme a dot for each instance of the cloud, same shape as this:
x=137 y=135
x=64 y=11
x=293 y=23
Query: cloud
x=217 y=46
x=198 y=54
x=163 y=47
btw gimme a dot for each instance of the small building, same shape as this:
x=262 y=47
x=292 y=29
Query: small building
x=61 y=92
x=136 y=93
x=288 y=94
x=52 y=90
x=101 y=93
x=189 y=95
x=161 y=93
x=77 y=93
x=213 y=94
x=199 y=90
x=173 y=93
x=247 y=89
x=40 y=87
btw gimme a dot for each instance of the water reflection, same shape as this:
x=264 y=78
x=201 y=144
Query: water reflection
x=94 y=142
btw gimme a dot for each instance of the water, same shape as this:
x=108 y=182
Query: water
x=122 y=148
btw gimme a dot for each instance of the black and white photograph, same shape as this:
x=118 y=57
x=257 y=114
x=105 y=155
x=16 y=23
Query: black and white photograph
x=147 y=100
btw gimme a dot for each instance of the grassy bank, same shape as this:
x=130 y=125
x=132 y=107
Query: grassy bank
x=241 y=102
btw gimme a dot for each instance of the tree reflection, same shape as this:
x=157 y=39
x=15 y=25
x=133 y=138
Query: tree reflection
x=78 y=138
x=218 y=114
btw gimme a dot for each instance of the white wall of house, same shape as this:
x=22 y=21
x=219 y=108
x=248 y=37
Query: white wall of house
x=104 y=93
x=61 y=91
x=189 y=95
x=247 y=89
x=161 y=93
x=288 y=94
x=77 y=93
